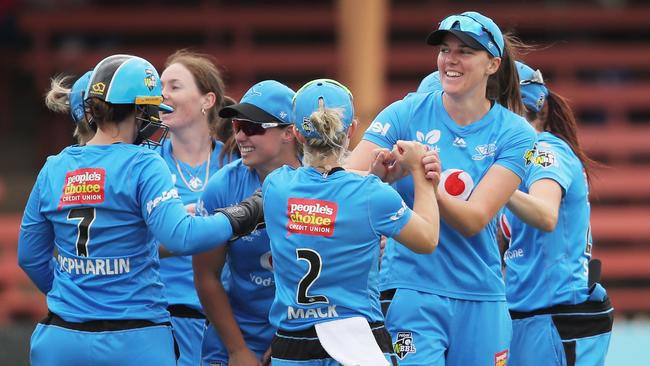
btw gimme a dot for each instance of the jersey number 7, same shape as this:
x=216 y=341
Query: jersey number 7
x=86 y=217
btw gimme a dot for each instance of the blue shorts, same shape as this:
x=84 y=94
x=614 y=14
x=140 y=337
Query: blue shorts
x=303 y=348
x=256 y=335
x=564 y=335
x=55 y=345
x=188 y=333
x=433 y=330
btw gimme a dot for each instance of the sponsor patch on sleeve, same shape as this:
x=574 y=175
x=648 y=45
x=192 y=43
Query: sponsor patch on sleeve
x=311 y=217
x=83 y=186
x=500 y=358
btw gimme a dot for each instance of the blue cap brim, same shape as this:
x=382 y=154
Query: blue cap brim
x=436 y=37
x=165 y=108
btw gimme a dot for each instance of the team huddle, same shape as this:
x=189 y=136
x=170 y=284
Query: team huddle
x=186 y=228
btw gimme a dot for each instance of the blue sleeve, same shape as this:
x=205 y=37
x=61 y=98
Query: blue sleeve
x=551 y=162
x=36 y=242
x=166 y=216
x=516 y=143
x=387 y=211
x=387 y=127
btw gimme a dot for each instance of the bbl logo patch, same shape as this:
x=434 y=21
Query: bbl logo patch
x=150 y=80
x=545 y=159
x=529 y=155
x=404 y=344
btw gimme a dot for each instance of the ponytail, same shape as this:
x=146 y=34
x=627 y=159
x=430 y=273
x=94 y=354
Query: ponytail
x=503 y=86
x=331 y=145
x=558 y=119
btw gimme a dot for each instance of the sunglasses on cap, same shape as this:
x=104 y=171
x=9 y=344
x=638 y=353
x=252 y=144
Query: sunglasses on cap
x=536 y=79
x=468 y=24
x=252 y=128
x=329 y=81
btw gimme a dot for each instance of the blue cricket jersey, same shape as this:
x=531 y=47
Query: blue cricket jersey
x=105 y=208
x=250 y=285
x=544 y=269
x=461 y=267
x=176 y=272
x=325 y=234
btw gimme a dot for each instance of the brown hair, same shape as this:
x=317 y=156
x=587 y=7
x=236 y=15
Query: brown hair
x=104 y=112
x=558 y=118
x=207 y=78
x=503 y=86
x=230 y=148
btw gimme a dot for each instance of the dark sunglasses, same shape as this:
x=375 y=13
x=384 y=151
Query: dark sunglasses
x=252 y=128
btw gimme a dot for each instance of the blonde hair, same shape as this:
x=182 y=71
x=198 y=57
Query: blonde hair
x=57 y=99
x=331 y=146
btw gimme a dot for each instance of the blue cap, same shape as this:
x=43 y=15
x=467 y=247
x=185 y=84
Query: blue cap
x=266 y=101
x=532 y=87
x=126 y=79
x=472 y=28
x=430 y=83
x=306 y=102
x=76 y=98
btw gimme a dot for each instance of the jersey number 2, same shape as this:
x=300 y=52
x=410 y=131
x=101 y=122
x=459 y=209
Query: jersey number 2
x=315 y=264
x=86 y=217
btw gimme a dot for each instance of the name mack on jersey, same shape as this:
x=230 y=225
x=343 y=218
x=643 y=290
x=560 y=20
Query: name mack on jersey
x=312 y=313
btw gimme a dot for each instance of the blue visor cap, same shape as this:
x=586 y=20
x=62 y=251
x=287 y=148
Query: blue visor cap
x=126 y=79
x=532 y=87
x=307 y=101
x=474 y=29
x=266 y=101
x=76 y=98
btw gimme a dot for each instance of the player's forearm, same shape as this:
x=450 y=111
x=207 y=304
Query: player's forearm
x=219 y=312
x=466 y=218
x=533 y=211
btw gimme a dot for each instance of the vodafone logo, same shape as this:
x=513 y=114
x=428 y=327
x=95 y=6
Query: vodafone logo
x=457 y=183
x=266 y=261
x=505 y=226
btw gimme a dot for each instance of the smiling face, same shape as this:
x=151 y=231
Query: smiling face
x=464 y=70
x=181 y=93
x=266 y=152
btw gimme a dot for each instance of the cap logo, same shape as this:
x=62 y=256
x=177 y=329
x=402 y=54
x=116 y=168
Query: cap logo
x=283 y=114
x=307 y=126
x=540 y=102
x=253 y=91
x=150 y=79
x=98 y=88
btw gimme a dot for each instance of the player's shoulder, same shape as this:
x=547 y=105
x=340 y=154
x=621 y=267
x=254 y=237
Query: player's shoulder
x=511 y=122
x=549 y=143
x=279 y=176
